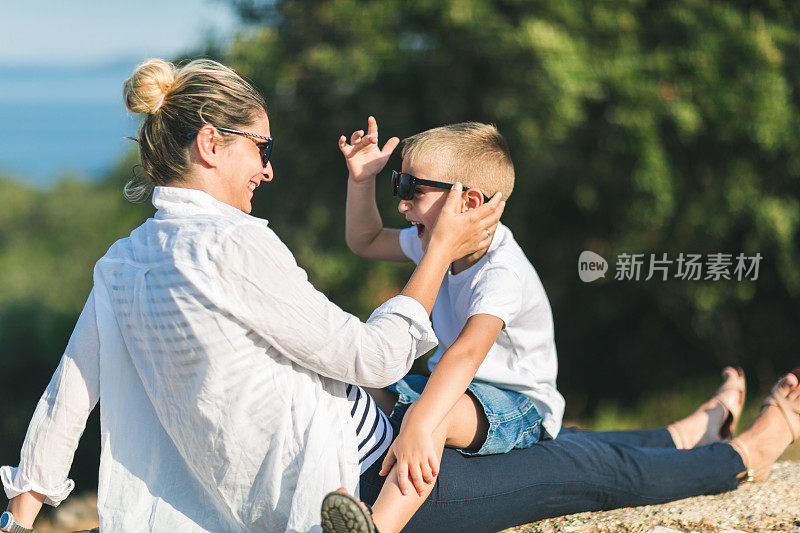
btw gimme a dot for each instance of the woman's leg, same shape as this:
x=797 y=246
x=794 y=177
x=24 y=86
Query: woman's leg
x=581 y=473
x=703 y=426
x=640 y=438
x=558 y=477
x=715 y=419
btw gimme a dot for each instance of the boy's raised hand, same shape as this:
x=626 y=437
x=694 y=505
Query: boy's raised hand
x=364 y=158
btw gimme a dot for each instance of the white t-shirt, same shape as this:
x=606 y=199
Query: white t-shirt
x=503 y=283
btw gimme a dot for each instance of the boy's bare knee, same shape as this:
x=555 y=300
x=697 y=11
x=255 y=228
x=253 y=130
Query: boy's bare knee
x=467 y=425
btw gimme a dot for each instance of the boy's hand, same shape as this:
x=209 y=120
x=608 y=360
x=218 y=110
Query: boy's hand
x=417 y=458
x=364 y=158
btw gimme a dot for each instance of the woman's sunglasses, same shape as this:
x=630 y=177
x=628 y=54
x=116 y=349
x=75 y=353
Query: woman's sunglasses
x=403 y=185
x=264 y=148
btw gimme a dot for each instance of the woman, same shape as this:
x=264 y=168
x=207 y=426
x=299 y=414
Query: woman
x=222 y=372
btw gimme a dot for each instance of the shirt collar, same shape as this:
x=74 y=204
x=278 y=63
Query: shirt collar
x=171 y=201
x=499 y=235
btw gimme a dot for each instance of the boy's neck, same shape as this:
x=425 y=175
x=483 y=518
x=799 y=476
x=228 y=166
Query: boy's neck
x=460 y=265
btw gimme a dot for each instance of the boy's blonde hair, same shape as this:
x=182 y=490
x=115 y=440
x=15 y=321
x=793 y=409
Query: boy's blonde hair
x=470 y=152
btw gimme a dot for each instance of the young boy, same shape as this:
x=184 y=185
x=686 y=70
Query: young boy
x=493 y=377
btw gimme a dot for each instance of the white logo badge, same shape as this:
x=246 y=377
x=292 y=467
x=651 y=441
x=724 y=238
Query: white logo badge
x=591 y=266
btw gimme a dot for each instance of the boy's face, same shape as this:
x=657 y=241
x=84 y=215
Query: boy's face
x=424 y=208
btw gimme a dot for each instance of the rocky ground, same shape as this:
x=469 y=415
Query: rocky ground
x=771 y=505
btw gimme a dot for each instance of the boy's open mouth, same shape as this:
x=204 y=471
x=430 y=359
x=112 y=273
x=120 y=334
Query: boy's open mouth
x=420 y=230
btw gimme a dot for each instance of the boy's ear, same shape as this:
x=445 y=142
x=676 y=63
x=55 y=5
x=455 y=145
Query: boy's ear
x=473 y=198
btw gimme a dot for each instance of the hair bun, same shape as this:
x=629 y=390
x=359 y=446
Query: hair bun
x=145 y=90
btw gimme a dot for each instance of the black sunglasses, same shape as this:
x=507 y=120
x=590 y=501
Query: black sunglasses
x=403 y=185
x=264 y=148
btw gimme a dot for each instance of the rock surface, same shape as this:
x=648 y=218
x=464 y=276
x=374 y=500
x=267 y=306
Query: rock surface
x=770 y=505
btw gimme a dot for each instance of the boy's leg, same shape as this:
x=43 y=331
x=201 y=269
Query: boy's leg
x=465 y=426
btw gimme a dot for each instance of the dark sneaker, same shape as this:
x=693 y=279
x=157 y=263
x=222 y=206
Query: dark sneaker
x=343 y=513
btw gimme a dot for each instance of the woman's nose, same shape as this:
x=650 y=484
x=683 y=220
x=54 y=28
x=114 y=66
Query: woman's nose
x=268 y=173
x=404 y=206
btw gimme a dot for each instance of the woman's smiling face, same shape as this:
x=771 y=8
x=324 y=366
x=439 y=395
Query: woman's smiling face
x=243 y=170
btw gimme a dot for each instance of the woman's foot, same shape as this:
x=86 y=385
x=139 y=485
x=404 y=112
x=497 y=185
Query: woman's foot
x=343 y=513
x=773 y=431
x=715 y=419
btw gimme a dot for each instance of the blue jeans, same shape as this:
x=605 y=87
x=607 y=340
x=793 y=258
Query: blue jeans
x=578 y=471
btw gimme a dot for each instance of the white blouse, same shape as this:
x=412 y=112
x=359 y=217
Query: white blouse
x=221 y=375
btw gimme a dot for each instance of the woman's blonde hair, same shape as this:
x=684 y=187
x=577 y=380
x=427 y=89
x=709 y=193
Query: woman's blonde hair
x=470 y=152
x=178 y=101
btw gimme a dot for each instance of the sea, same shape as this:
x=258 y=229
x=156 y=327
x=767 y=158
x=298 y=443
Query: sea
x=61 y=120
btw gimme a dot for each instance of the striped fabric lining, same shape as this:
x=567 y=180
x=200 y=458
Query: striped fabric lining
x=373 y=432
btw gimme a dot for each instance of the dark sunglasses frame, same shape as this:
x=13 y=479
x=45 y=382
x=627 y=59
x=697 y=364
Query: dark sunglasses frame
x=399 y=179
x=264 y=148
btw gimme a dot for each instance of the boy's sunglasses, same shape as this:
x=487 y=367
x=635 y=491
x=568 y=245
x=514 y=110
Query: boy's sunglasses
x=264 y=148
x=403 y=185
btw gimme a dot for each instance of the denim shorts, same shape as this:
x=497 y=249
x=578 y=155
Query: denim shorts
x=513 y=420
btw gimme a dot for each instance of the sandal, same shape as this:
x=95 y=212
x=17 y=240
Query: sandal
x=728 y=428
x=344 y=513
x=792 y=416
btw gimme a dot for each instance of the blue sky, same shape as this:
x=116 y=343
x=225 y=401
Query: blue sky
x=83 y=32
x=62 y=65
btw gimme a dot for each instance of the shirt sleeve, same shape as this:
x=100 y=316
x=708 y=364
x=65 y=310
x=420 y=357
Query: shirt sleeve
x=411 y=244
x=60 y=417
x=496 y=292
x=271 y=294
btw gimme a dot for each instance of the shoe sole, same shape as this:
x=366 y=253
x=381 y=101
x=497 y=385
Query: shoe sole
x=342 y=513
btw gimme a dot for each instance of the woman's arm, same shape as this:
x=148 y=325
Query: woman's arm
x=270 y=294
x=25 y=507
x=57 y=424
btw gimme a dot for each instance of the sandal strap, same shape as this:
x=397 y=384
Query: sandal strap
x=750 y=473
x=728 y=428
x=740 y=387
x=727 y=405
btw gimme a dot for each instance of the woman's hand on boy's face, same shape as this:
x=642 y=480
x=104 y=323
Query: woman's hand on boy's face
x=363 y=157
x=465 y=232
